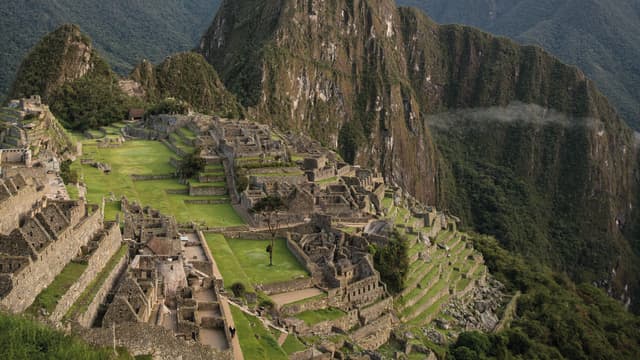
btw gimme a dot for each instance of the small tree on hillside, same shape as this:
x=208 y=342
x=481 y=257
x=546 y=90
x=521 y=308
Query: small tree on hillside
x=191 y=165
x=269 y=208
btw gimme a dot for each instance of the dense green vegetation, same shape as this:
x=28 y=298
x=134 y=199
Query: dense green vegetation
x=527 y=195
x=125 y=31
x=69 y=74
x=190 y=166
x=24 y=339
x=392 y=261
x=554 y=319
x=602 y=37
x=187 y=77
x=92 y=101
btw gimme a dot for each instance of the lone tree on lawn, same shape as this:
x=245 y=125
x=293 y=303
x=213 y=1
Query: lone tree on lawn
x=269 y=208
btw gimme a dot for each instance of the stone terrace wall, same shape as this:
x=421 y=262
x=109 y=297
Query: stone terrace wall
x=109 y=244
x=375 y=334
x=89 y=317
x=287 y=286
x=303 y=259
x=146 y=339
x=374 y=311
x=343 y=323
x=152 y=177
x=207 y=191
x=298 y=307
x=35 y=278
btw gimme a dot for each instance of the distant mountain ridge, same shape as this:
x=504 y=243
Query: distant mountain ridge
x=125 y=32
x=601 y=37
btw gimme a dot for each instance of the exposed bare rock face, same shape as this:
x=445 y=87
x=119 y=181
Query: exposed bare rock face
x=59 y=58
x=386 y=87
x=333 y=69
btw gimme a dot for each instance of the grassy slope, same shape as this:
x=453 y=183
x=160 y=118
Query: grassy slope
x=26 y=339
x=256 y=341
x=49 y=297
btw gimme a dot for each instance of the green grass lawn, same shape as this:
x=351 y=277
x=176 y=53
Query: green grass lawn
x=254 y=259
x=72 y=190
x=50 y=296
x=293 y=344
x=231 y=269
x=146 y=158
x=247 y=261
x=256 y=341
x=312 y=317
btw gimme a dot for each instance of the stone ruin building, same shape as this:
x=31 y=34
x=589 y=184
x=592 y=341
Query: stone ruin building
x=40 y=236
x=341 y=265
x=239 y=138
x=170 y=281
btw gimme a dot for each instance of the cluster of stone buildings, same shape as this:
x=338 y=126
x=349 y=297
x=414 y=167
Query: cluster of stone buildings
x=307 y=177
x=342 y=265
x=169 y=282
x=40 y=236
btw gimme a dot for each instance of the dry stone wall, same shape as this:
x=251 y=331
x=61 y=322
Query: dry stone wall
x=28 y=283
x=108 y=246
x=14 y=206
x=147 y=339
x=87 y=318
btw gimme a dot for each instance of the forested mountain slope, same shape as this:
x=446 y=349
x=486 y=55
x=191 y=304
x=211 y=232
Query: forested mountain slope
x=124 y=31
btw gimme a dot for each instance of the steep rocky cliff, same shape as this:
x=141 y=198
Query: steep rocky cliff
x=335 y=69
x=385 y=87
x=60 y=57
x=188 y=77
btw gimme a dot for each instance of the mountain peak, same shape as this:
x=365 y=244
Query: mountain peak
x=62 y=56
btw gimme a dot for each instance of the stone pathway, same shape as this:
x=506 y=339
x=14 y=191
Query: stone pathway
x=293 y=296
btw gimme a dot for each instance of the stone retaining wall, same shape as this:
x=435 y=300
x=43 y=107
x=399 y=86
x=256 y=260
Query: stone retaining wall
x=370 y=313
x=87 y=318
x=207 y=191
x=152 y=177
x=309 y=305
x=109 y=245
x=147 y=339
x=28 y=283
x=206 y=202
x=177 y=191
x=286 y=286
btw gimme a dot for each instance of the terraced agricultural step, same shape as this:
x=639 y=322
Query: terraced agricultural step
x=433 y=278
x=437 y=291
